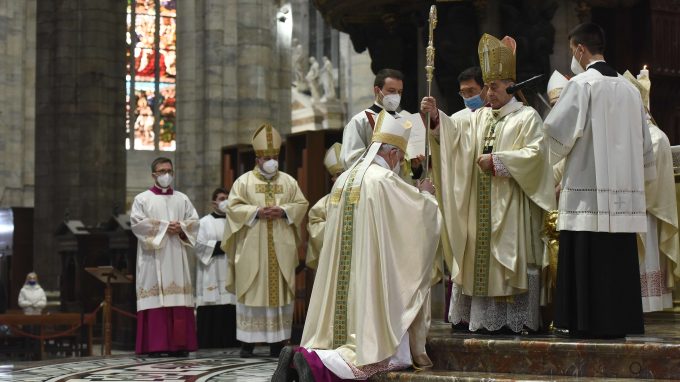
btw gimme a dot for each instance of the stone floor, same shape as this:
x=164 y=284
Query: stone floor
x=202 y=366
x=453 y=353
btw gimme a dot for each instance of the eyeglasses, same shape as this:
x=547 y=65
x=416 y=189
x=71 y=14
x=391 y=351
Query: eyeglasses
x=163 y=172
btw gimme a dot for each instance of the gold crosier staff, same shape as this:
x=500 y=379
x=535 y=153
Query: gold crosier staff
x=429 y=69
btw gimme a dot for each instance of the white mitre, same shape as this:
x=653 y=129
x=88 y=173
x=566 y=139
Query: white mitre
x=332 y=160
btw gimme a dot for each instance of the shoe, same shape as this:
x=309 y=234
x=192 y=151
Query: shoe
x=284 y=370
x=275 y=349
x=246 y=350
x=155 y=354
x=303 y=369
x=180 y=353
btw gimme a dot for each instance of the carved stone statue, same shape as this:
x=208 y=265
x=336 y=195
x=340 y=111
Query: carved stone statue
x=298 y=66
x=312 y=78
x=327 y=80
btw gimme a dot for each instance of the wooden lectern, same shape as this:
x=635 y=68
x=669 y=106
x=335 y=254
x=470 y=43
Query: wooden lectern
x=108 y=275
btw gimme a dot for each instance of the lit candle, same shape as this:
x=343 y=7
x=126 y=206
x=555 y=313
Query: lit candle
x=644 y=73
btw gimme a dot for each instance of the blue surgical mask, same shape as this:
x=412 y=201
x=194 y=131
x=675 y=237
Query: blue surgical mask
x=474 y=103
x=32 y=282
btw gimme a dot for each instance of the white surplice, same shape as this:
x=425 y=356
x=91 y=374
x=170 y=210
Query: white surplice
x=356 y=137
x=211 y=271
x=163 y=276
x=602 y=189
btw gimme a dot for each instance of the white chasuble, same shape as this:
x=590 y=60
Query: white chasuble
x=262 y=254
x=494 y=221
x=443 y=179
x=163 y=276
x=316 y=224
x=373 y=276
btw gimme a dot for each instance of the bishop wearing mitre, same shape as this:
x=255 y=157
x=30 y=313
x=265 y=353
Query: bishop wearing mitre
x=261 y=236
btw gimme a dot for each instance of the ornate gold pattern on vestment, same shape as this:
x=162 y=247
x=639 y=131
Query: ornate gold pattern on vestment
x=262 y=189
x=350 y=195
x=273 y=273
x=336 y=194
x=153 y=231
x=483 y=242
x=259 y=324
x=172 y=289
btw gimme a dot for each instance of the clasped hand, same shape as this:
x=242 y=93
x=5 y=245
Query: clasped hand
x=274 y=212
x=174 y=228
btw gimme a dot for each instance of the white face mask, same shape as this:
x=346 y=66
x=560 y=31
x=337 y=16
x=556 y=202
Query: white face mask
x=222 y=206
x=164 y=180
x=575 y=66
x=270 y=166
x=391 y=101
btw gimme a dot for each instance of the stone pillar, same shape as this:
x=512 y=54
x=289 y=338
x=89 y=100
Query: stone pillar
x=565 y=19
x=233 y=74
x=80 y=120
x=17 y=102
x=357 y=88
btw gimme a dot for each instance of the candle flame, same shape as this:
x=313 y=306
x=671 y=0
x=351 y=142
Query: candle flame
x=644 y=67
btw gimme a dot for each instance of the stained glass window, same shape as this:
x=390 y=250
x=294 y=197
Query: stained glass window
x=151 y=72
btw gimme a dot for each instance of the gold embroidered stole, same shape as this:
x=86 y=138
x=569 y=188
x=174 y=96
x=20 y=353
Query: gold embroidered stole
x=273 y=272
x=351 y=198
x=483 y=242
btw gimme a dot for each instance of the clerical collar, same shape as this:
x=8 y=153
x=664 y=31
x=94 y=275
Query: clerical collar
x=604 y=68
x=380 y=161
x=218 y=216
x=594 y=62
x=161 y=191
x=378 y=108
x=510 y=107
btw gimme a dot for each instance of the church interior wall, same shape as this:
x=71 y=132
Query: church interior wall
x=17 y=103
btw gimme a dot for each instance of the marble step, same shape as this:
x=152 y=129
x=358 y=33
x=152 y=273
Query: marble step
x=653 y=356
x=458 y=376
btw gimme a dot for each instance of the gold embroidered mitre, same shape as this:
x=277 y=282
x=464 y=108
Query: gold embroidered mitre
x=332 y=159
x=266 y=141
x=556 y=83
x=392 y=131
x=644 y=92
x=497 y=58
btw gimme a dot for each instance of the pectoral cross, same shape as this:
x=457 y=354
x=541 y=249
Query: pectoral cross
x=488 y=144
x=270 y=190
x=489 y=140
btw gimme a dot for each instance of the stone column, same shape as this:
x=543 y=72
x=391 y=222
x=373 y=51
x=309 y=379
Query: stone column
x=80 y=120
x=233 y=74
x=565 y=19
x=17 y=102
